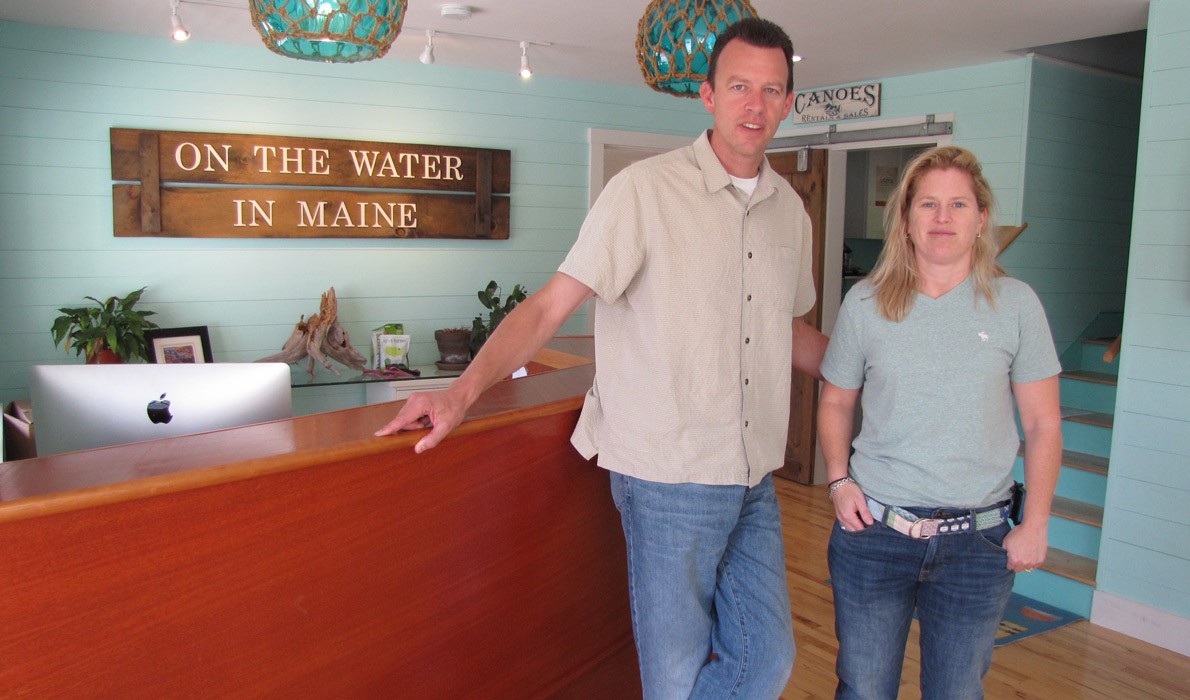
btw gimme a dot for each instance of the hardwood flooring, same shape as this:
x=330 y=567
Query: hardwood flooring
x=1078 y=661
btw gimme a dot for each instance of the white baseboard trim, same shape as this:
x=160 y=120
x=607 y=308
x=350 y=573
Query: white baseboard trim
x=1147 y=624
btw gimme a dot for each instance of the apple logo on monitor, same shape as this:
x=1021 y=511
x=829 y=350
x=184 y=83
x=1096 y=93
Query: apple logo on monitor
x=159 y=410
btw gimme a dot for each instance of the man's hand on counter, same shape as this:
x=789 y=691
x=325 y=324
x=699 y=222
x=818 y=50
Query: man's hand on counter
x=519 y=337
x=441 y=411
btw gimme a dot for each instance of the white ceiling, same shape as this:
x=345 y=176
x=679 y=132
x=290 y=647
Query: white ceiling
x=843 y=41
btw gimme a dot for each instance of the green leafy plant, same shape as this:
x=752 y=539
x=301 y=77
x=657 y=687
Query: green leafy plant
x=112 y=324
x=481 y=330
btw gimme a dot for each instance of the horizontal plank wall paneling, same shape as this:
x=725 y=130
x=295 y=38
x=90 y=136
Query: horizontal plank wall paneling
x=1079 y=181
x=1150 y=459
x=62 y=90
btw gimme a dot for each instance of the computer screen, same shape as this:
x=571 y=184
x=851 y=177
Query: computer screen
x=80 y=407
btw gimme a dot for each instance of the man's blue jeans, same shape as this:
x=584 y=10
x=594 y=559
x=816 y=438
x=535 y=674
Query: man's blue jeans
x=959 y=585
x=706 y=576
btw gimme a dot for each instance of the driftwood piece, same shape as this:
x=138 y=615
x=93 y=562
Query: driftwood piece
x=320 y=339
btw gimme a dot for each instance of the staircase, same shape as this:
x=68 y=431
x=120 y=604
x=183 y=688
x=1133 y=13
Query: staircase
x=1088 y=391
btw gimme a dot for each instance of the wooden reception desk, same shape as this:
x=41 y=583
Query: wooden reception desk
x=306 y=559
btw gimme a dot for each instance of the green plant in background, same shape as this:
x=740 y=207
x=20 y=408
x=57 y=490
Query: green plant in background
x=110 y=325
x=481 y=330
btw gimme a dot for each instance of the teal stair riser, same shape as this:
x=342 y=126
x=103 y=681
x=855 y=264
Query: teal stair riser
x=1074 y=537
x=1092 y=360
x=1090 y=396
x=1057 y=591
x=1075 y=484
x=1090 y=439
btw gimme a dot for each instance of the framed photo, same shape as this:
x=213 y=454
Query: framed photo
x=177 y=346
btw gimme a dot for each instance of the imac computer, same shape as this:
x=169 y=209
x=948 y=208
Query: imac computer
x=80 y=407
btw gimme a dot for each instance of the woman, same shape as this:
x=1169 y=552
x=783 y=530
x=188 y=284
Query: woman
x=940 y=341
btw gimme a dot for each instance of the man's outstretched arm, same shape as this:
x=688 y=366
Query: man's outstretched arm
x=516 y=340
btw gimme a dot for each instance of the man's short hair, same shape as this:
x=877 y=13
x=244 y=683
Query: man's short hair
x=756 y=32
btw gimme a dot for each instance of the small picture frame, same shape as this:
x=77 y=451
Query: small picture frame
x=178 y=346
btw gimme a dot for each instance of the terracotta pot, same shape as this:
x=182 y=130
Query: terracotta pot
x=454 y=346
x=105 y=357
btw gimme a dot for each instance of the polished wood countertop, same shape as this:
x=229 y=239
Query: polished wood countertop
x=59 y=483
x=306 y=558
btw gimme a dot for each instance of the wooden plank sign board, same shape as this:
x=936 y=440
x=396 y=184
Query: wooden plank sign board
x=206 y=185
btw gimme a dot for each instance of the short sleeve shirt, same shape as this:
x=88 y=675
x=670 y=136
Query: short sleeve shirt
x=938 y=426
x=696 y=288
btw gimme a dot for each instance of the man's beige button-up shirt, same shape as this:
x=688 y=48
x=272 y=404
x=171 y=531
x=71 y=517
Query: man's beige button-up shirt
x=697 y=287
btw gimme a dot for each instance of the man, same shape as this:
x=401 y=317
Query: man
x=700 y=263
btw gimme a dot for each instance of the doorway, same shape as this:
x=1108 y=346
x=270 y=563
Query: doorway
x=872 y=174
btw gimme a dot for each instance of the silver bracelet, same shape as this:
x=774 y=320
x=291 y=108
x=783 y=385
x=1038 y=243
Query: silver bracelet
x=834 y=486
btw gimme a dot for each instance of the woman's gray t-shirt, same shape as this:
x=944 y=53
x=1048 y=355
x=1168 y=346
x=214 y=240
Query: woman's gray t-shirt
x=938 y=426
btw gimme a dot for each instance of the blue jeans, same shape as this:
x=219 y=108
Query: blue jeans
x=959 y=585
x=709 y=598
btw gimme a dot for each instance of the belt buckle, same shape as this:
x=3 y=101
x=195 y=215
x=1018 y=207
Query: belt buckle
x=924 y=528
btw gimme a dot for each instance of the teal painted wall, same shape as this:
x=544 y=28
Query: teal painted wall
x=989 y=103
x=1143 y=556
x=1080 y=167
x=61 y=91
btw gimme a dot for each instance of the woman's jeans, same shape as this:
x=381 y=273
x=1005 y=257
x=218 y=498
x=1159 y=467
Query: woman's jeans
x=709 y=599
x=959 y=585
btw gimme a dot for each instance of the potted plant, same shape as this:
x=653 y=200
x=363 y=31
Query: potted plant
x=111 y=331
x=454 y=347
x=481 y=330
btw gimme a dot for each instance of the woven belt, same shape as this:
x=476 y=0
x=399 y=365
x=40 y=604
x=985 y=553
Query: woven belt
x=909 y=524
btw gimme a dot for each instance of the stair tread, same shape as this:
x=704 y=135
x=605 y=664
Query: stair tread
x=1071 y=566
x=1084 y=461
x=1086 y=375
x=1079 y=460
x=1079 y=415
x=1078 y=511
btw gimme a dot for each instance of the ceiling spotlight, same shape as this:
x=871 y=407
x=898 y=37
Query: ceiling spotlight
x=526 y=70
x=427 y=54
x=180 y=33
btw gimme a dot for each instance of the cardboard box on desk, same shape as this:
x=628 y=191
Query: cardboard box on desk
x=390 y=346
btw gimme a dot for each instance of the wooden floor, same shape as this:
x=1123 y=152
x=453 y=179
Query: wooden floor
x=1080 y=660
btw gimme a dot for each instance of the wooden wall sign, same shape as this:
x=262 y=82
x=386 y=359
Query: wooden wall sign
x=203 y=185
x=837 y=103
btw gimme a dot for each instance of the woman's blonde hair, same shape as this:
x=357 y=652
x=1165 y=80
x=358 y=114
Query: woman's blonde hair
x=895 y=274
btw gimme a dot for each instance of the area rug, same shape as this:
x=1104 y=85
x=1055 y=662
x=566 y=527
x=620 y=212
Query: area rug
x=1026 y=617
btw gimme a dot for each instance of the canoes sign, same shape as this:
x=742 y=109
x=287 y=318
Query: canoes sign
x=838 y=103
x=205 y=185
